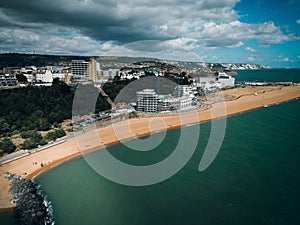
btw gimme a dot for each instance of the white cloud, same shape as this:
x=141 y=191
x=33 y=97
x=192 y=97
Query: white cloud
x=286 y=59
x=298 y=56
x=158 y=27
x=235 y=45
x=229 y=34
x=249 y=49
x=251 y=58
x=298 y=21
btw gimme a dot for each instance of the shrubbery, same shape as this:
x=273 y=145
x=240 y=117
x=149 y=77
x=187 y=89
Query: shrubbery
x=53 y=135
x=7 y=146
x=34 y=138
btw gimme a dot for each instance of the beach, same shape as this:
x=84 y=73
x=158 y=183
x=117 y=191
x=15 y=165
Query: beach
x=235 y=101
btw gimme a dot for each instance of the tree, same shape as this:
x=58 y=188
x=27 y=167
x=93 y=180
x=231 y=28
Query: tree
x=51 y=136
x=7 y=146
x=25 y=134
x=4 y=126
x=21 y=78
x=133 y=114
x=37 y=115
x=38 y=108
x=35 y=136
x=29 y=144
x=60 y=133
x=55 y=81
x=44 y=124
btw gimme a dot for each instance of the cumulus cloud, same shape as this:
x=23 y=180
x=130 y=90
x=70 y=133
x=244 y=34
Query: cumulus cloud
x=249 y=49
x=133 y=27
x=286 y=59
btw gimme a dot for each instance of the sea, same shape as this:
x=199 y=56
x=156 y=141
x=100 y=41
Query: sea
x=254 y=178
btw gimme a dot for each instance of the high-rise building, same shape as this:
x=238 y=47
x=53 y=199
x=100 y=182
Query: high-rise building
x=80 y=69
x=93 y=70
x=85 y=71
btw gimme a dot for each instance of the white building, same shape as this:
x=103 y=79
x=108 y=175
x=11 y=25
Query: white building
x=225 y=80
x=183 y=90
x=8 y=80
x=149 y=101
x=180 y=103
x=209 y=84
x=130 y=74
x=44 y=77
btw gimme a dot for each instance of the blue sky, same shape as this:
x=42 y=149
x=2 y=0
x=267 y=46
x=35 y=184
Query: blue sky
x=263 y=32
x=283 y=14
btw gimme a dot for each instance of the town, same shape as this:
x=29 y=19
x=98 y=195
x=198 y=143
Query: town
x=38 y=127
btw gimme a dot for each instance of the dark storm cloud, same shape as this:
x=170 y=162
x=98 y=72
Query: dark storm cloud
x=101 y=20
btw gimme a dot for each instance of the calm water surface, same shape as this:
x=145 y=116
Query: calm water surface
x=254 y=180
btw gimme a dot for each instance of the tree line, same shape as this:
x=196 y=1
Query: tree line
x=38 y=108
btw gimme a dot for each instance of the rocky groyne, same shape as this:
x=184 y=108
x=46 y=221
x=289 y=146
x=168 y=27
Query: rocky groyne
x=32 y=206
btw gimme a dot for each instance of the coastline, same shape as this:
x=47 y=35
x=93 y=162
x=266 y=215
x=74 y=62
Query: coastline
x=9 y=209
x=243 y=100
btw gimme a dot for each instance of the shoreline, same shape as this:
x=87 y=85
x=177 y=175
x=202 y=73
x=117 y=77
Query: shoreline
x=7 y=210
x=78 y=155
x=71 y=150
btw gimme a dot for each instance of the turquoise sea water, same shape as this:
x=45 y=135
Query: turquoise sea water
x=6 y=218
x=254 y=179
x=287 y=75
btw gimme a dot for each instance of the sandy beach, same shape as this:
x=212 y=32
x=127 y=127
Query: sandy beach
x=235 y=101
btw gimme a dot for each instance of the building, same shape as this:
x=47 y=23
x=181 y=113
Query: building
x=183 y=90
x=93 y=71
x=225 y=80
x=80 y=70
x=171 y=103
x=67 y=76
x=45 y=77
x=8 y=80
x=149 y=101
x=212 y=83
x=85 y=71
x=59 y=72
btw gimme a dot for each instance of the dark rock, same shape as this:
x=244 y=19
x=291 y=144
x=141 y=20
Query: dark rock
x=30 y=208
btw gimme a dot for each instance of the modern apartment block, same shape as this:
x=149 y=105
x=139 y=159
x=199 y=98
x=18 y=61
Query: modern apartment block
x=183 y=90
x=8 y=81
x=85 y=71
x=80 y=68
x=149 y=101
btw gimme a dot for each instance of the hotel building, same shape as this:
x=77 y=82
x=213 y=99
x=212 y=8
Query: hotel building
x=149 y=101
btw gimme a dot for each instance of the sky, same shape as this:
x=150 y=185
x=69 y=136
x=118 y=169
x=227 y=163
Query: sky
x=265 y=32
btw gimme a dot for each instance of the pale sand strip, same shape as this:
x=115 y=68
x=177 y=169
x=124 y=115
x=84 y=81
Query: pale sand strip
x=244 y=100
